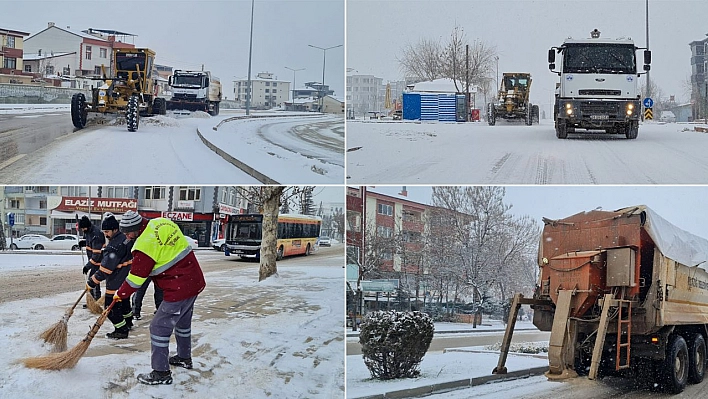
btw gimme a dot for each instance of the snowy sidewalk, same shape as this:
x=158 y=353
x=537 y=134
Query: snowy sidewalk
x=278 y=338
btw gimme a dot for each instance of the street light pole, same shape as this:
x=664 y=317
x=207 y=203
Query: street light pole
x=497 y=75
x=294 y=70
x=324 y=61
x=250 y=54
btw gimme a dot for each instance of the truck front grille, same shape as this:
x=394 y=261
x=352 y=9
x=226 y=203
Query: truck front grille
x=599 y=92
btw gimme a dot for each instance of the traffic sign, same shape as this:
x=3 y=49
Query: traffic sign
x=11 y=219
x=648 y=102
x=648 y=114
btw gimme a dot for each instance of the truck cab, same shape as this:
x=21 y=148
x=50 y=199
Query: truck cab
x=597 y=89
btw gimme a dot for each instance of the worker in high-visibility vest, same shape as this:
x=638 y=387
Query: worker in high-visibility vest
x=163 y=253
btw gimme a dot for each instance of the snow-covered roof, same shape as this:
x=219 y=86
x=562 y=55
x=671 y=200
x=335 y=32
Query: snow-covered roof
x=69 y=30
x=444 y=85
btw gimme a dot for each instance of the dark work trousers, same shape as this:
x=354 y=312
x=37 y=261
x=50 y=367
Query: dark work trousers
x=171 y=316
x=140 y=294
x=119 y=313
x=96 y=291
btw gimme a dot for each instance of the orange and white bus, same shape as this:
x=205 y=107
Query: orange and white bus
x=297 y=234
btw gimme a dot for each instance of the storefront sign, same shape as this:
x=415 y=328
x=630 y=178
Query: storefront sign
x=179 y=216
x=228 y=210
x=98 y=205
x=185 y=205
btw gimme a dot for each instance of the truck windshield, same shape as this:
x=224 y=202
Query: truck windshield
x=190 y=80
x=128 y=61
x=599 y=58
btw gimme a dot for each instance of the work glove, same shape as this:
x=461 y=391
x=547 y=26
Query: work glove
x=90 y=284
x=87 y=268
x=117 y=298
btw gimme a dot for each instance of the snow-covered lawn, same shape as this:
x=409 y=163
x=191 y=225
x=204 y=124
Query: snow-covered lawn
x=280 y=338
x=386 y=152
x=436 y=368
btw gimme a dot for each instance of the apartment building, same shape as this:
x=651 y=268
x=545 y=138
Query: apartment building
x=268 y=91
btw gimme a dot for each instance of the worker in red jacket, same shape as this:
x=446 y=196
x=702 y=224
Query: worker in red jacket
x=163 y=253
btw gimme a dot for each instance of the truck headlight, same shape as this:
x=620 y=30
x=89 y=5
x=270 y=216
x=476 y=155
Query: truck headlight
x=630 y=109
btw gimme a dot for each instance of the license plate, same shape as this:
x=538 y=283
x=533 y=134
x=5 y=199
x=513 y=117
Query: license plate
x=600 y=117
x=238 y=251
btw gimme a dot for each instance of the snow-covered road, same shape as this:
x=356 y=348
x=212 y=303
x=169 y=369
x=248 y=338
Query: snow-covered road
x=476 y=153
x=168 y=150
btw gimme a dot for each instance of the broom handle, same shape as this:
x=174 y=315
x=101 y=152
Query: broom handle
x=71 y=311
x=99 y=322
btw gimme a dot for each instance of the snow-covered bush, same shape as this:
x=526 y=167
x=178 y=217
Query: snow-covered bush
x=393 y=343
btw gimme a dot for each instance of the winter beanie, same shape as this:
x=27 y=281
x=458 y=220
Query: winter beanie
x=84 y=223
x=109 y=223
x=130 y=222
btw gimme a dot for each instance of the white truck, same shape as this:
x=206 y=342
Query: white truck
x=195 y=91
x=598 y=87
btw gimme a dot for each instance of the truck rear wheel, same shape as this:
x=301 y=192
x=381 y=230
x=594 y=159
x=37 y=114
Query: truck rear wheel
x=676 y=365
x=132 y=116
x=78 y=110
x=697 y=359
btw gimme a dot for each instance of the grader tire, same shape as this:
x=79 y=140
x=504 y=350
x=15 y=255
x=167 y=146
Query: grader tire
x=132 y=115
x=78 y=110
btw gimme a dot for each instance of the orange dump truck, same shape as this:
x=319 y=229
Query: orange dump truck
x=621 y=292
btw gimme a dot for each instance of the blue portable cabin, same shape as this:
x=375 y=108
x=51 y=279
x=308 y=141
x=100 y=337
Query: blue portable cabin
x=434 y=101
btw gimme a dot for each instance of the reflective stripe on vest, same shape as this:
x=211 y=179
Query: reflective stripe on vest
x=164 y=243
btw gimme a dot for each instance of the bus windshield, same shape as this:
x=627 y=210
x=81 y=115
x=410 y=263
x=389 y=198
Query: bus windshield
x=599 y=58
x=247 y=231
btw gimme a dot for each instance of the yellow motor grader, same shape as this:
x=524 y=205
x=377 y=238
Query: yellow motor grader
x=131 y=91
x=512 y=102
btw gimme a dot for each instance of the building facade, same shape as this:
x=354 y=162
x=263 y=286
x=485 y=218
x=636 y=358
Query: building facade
x=84 y=52
x=268 y=91
x=396 y=219
x=201 y=211
x=699 y=84
x=11 y=57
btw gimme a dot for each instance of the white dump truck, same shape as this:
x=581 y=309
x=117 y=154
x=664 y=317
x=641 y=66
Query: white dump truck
x=597 y=89
x=195 y=91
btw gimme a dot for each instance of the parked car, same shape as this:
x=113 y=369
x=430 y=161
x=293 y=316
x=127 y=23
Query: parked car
x=325 y=241
x=66 y=242
x=193 y=242
x=667 y=116
x=219 y=245
x=27 y=241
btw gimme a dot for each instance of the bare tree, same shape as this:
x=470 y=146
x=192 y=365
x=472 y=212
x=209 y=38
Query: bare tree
x=457 y=59
x=422 y=60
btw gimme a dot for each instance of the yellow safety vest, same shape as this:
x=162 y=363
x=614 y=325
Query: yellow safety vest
x=163 y=241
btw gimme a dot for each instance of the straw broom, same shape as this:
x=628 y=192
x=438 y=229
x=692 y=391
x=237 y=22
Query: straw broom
x=92 y=305
x=68 y=359
x=56 y=334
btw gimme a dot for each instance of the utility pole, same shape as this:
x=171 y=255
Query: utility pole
x=324 y=61
x=647 y=26
x=467 y=96
x=294 y=70
x=250 y=56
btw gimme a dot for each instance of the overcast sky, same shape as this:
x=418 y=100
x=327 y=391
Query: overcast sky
x=187 y=34
x=524 y=30
x=683 y=206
